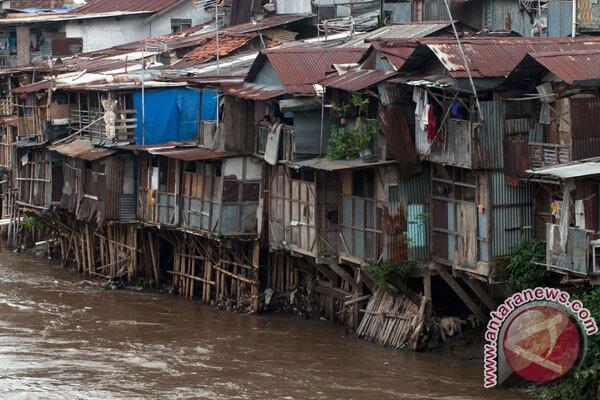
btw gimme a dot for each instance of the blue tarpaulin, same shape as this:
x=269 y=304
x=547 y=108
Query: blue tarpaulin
x=172 y=115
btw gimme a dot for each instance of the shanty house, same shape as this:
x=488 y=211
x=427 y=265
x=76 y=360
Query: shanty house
x=99 y=184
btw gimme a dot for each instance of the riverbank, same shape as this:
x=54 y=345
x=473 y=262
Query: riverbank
x=61 y=338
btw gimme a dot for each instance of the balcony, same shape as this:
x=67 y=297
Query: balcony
x=542 y=155
x=95 y=124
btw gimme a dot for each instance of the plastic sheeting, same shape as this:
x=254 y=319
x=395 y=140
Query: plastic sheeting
x=173 y=115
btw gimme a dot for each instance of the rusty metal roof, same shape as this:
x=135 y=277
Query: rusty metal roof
x=354 y=81
x=84 y=149
x=497 y=57
x=267 y=23
x=325 y=164
x=395 y=54
x=103 y=6
x=191 y=154
x=299 y=68
x=250 y=91
x=571 y=67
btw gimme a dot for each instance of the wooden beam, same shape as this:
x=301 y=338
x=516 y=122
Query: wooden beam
x=339 y=271
x=460 y=292
x=481 y=293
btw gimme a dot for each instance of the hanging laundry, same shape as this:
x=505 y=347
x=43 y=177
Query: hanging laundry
x=421 y=100
x=432 y=126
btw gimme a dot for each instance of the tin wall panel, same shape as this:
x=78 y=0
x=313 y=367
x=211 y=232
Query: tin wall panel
x=585 y=114
x=512 y=213
x=491 y=134
x=560 y=15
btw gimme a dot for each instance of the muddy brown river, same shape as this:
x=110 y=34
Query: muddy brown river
x=61 y=339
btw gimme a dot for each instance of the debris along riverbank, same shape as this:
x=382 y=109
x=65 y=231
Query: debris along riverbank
x=64 y=339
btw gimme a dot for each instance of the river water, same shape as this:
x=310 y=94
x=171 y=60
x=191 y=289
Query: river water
x=61 y=339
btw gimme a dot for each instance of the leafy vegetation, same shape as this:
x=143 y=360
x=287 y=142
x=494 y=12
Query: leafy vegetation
x=523 y=272
x=348 y=142
x=582 y=383
x=31 y=223
x=393 y=272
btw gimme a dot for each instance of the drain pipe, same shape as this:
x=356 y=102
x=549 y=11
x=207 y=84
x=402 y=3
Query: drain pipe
x=574 y=19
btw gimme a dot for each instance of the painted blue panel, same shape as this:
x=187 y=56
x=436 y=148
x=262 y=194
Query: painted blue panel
x=209 y=105
x=171 y=115
x=417 y=236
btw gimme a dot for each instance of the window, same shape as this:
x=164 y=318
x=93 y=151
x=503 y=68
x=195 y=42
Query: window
x=178 y=24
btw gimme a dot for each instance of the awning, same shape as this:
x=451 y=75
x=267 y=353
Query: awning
x=325 y=164
x=84 y=149
x=193 y=154
x=570 y=171
x=251 y=91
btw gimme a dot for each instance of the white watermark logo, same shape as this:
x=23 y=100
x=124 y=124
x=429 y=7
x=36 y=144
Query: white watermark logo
x=538 y=334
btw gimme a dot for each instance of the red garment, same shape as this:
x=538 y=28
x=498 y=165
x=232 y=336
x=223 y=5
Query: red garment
x=432 y=128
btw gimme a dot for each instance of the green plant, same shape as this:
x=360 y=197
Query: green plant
x=524 y=269
x=342 y=110
x=393 y=272
x=347 y=143
x=31 y=223
x=361 y=103
x=582 y=383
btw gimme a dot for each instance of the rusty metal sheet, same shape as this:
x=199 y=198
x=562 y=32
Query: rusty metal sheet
x=516 y=159
x=251 y=91
x=104 y=6
x=498 y=57
x=571 y=67
x=355 y=81
x=300 y=67
x=394 y=126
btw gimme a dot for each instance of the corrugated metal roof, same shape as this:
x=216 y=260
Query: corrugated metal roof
x=570 y=171
x=571 y=66
x=356 y=80
x=84 y=149
x=395 y=54
x=409 y=30
x=497 y=57
x=103 y=6
x=325 y=164
x=193 y=154
x=250 y=91
x=28 y=18
x=269 y=22
x=299 y=68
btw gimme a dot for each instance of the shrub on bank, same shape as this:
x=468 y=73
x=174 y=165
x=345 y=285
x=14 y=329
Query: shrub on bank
x=524 y=269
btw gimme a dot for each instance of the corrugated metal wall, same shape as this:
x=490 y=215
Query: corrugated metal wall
x=491 y=134
x=435 y=10
x=512 y=213
x=560 y=15
x=502 y=13
x=412 y=196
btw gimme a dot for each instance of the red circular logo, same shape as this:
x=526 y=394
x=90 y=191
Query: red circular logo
x=542 y=344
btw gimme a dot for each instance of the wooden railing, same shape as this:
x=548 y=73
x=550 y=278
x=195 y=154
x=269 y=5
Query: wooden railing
x=543 y=155
x=123 y=129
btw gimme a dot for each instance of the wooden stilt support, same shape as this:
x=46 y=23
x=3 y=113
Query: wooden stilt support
x=461 y=293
